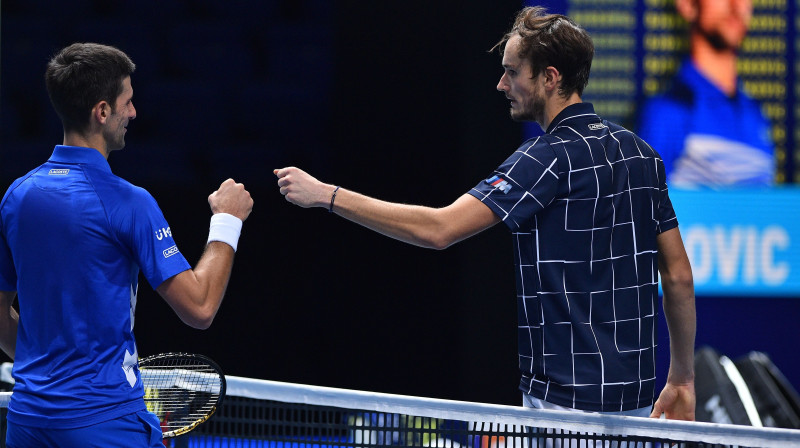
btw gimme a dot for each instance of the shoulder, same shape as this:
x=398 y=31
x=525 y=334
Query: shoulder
x=751 y=104
x=16 y=184
x=119 y=195
x=620 y=131
x=547 y=142
x=538 y=144
x=543 y=150
x=674 y=100
x=661 y=115
x=630 y=139
x=679 y=96
x=110 y=184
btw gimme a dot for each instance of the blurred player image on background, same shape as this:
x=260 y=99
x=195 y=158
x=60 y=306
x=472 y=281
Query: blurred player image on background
x=707 y=129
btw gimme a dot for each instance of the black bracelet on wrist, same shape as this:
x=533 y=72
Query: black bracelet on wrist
x=333 y=198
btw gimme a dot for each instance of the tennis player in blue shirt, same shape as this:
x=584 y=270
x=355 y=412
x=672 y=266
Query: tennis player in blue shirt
x=708 y=130
x=73 y=239
x=593 y=227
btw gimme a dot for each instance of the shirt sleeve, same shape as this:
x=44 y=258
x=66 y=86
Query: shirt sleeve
x=523 y=185
x=144 y=230
x=664 y=213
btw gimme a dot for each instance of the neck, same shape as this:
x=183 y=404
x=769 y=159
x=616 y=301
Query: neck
x=556 y=104
x=719 y=66
x=91 y=141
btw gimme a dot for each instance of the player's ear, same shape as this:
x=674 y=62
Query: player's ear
x=688 y=9
x=101 y=111
x=552 y=77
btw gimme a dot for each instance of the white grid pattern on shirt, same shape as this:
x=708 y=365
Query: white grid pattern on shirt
x=594 y=338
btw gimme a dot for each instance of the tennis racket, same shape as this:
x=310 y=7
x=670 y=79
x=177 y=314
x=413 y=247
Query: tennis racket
x=183 y=390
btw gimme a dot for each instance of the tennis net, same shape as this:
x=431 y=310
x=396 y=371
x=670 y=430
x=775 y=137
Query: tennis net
x=260 y=413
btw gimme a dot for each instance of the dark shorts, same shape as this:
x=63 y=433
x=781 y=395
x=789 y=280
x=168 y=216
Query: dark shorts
x=140 y=429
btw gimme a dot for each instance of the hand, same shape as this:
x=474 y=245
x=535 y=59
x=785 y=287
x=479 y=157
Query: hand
x=231 y=198
x=677 y=402
x=302 y=189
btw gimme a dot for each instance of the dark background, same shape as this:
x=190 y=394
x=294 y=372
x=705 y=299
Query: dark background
x=393 y=99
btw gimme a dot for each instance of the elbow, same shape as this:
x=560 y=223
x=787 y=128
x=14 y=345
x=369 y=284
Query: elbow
x=202 y=324
x=439 y=236
x=440 y=244
x=684 y=279
x=437 y=230
x=679 y=280
x=201 y=319
x=437 y=241
x=194 y=302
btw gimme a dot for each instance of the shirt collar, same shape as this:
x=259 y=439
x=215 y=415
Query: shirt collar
x=80 y=155
x=571 y=112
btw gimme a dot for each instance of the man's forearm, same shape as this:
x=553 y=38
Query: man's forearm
x=412 y=224
x=679 y=310
x=213 y=271
x=422 y=226
x=196 y=294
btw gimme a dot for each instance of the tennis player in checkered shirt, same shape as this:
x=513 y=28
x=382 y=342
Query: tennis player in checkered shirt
x=592 y=225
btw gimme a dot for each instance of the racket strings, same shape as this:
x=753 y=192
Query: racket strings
x=182 y=392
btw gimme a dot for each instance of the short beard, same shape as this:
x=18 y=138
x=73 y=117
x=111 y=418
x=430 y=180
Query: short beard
x=533 y=110
x=114 y=144
x=719 y=43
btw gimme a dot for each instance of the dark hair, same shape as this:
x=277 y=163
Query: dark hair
x=553 y=40
x=80 y=76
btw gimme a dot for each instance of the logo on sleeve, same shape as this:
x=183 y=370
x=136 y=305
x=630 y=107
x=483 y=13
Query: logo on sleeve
x=596 y=126
x=168 y=252
x=163 y=233
x=499 y=183
x=58 y=172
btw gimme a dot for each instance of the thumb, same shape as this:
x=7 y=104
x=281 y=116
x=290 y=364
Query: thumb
x=657 y=410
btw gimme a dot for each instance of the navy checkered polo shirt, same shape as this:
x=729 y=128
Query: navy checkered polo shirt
x=585 y=202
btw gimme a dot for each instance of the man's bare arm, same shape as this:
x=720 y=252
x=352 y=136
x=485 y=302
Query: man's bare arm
x=196 y=294
x=429 y=227
x=677 y=400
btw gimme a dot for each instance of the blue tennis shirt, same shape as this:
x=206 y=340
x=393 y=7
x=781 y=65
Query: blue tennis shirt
x=73 y=237
x=584 y=202
x=706 y=138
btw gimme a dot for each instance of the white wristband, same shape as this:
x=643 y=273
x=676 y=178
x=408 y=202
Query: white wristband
x=225 y=228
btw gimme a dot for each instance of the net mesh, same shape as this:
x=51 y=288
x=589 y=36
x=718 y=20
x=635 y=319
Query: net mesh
x=260 y=413
x=276 y=424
